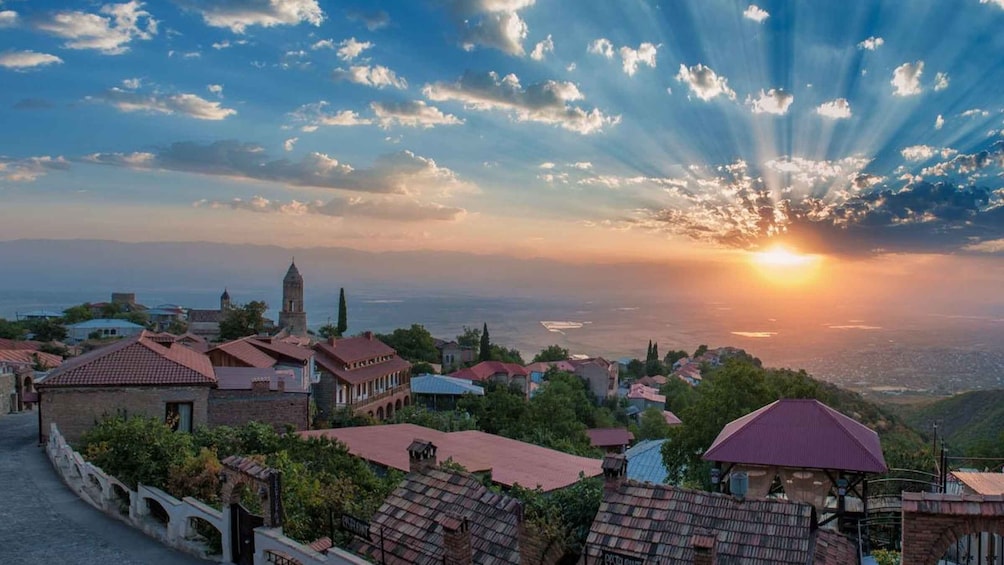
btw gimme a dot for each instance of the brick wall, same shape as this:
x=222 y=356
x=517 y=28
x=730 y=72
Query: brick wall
x=934 y=522
x=6 y=390
x=75 y=410
x=238 y=407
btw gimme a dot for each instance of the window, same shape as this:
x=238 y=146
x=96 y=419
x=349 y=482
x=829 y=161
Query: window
x=179 y=416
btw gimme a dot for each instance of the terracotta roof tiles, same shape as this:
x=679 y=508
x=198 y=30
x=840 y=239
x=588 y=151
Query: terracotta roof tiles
x=276 y=347
x=484 y=371
x=135 y=361
x=979 y=483
x=354 y=349
x=245 y=352
x=29 y=356
x=609 y=437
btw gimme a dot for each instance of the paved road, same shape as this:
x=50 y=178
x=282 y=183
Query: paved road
x=42 y=522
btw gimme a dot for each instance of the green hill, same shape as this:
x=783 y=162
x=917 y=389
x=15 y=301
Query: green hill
x=972 y=423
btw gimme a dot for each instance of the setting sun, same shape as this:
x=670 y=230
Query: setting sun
x=782 y=265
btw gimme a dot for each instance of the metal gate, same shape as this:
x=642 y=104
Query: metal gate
x=242 y=526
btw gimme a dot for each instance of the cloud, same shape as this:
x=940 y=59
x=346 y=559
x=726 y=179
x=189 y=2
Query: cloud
x=216 y=89
x=190 y=105
x=835 y=109
x=504 y=31
x=376 y=76
x=842 y=210
x=925 y=152
x=372 y=20
x=704 y=82
x=349 y=49
x=871 y=44
x=546 y=102
x=755 y=13
x=238 y=15
x=132 y=83
x=411 y=114
x=940 y=81
x=31 y=168
x=630 y=58
x=313 y=116
x=395 y=209
x=546 y=46
x=290 y=143
x=109 y=31
x=998 y=3
x=774 y=101
x=968 y=163
x=974 y=113
x=906 y=79
x=227 y=44
x=582 y=165
x=939 y=122
x=22 y=60
x=547 y=165
x=398 y=173
x=8 y=18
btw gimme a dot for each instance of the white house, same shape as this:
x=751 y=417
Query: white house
x=105 y=328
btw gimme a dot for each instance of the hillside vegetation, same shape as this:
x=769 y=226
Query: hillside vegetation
x=971 y=423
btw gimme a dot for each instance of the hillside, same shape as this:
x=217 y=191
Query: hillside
x=972 y=423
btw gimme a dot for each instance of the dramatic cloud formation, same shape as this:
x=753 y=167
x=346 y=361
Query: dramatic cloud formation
x=755 y=13
x=190 y=105
x=31 y=168
x=546 y=102
x=542 y=47
x=871 y=44
x=504 y=31
x=397 y=173
x=110 y=32
x=397 y=209
x=906 y=79
x=237 y=16
x=835 y=109
x=704 y=82
x=20 y=60
x=774 y=101
x=376 y=76
x=412 y=114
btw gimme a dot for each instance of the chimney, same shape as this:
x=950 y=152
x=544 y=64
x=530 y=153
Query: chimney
x=331 y=341
x=260 y=385
x=421 y=456
x=614 y=471
x=704 y=549
x=369 y=335
x=457 y=548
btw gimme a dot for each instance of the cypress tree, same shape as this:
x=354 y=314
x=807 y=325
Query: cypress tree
x=655 y=351
x=343 y=318
x=486 y=345
x=648 y=352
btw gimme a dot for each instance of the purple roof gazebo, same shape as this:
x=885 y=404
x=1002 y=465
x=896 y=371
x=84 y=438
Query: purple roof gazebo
x=815 y=451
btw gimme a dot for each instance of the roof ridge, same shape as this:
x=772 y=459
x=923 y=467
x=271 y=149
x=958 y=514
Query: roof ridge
x=763 y=410
x=831 y=413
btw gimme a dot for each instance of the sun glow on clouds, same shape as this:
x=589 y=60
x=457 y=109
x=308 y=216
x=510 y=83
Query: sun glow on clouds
x=780 y=265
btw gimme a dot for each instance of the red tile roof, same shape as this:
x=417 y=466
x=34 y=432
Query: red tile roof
x=799 y=433
x=276 y=347
x=510 y=461
x=484 y=371
x=410 y=520
x=354 y=349
x=245 y=352
x=19 y=344
x=663 y=523
x=362 y=374
x=609 y=437
x=671 y=419
x=28 y=357
x=833 y=548
x=134 y=361
x=640 y=391
x=543 y=366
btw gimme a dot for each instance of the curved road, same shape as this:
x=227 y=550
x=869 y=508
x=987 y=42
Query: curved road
x=42 y=522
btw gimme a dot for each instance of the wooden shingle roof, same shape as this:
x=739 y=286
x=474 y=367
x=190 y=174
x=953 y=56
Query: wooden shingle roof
x=410 y=520
x=660 y=523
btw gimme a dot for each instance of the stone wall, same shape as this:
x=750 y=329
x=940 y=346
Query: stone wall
x=7 y=393
x=76 y=410
x=238 y=407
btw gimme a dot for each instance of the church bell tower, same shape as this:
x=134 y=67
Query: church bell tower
x=292 y=318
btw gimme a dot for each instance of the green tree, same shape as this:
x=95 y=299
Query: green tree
x=444 y=421
x=110 y=310
x=653 y=425
x=343 y=316
x=11 y=330
x=505 y=355
x=701 y=350
x=135 y=317
x=415 y=344
x=328 y=331
x=77 y=314
x=469 y=337
x=655 y=351
x=551 y=353
x=177 y=327
x=136 y=450
x=673 y=357
x=679 y=395
x=648 y=352
x=422 y=368
x=636 y=369
x=485 y=351
x=242 y=321
x=47 y=330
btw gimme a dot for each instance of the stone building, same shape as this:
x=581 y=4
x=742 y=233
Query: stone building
x=135 y=376
x=271 y=396
x=292 y=316
x=206 y=323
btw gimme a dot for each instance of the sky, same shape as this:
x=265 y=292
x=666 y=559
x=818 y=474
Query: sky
x=566 y=129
